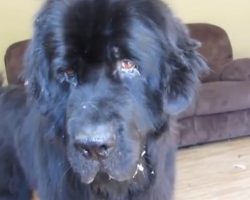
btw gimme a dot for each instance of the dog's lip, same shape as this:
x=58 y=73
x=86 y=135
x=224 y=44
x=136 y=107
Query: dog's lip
x=121 y=176
x=89 y=179
x=119 y=179
x=115 y=175
x=111 y=176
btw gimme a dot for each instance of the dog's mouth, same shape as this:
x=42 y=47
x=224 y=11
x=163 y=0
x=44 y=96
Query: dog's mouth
x=98 y=173
x=121 y=165
x=106 y=172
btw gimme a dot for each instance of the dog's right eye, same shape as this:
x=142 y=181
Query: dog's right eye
x=127 y=64
x=66 y=72
x=69 y=72
x=127 y=68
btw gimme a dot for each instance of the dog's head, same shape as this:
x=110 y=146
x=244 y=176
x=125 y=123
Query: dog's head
x=111 y=72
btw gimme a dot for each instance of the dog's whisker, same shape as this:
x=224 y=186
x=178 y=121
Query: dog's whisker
x=64 y=175
x=140 y=168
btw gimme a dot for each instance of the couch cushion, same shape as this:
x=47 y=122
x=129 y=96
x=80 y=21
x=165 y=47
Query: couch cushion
x=219 y=97
x=210 y=128
x=216 y=47
x=237 y=70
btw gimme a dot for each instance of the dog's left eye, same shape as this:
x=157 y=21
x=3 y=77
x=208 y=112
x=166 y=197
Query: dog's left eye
x=69 y=72
x=127 y=64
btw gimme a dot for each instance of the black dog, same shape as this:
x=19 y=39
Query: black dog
x=103 y=78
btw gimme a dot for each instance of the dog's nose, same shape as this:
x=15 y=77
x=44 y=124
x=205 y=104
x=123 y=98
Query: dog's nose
x=95 y=145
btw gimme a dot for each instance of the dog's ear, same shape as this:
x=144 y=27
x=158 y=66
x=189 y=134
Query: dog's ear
x=39 y=60
x=183 y=65
x=37 y=73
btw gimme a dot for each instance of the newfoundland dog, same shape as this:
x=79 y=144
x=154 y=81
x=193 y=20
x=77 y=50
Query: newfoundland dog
x=102 y=80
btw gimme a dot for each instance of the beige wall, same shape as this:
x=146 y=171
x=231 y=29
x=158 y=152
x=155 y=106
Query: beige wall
x=16 y=18
x=234 y=16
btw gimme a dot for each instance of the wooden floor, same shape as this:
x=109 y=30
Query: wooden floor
x=218 y=171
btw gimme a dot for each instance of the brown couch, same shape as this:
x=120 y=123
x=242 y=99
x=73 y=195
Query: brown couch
x=222 y=107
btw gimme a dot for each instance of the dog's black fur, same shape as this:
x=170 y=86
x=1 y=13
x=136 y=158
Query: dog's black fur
x=97 y=69
x=13 y=184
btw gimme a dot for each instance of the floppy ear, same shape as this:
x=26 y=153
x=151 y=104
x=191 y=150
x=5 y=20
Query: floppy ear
x=183 y=66
x=44 y=47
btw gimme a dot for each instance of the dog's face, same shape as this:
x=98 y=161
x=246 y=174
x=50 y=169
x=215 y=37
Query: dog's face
x=116 y=101
x=121 y=68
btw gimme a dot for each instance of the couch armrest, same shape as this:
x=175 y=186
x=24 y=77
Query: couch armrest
x=219 y=97
x=13 y=60
x=237 y=70
x=223 y=96
x=1 y=80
